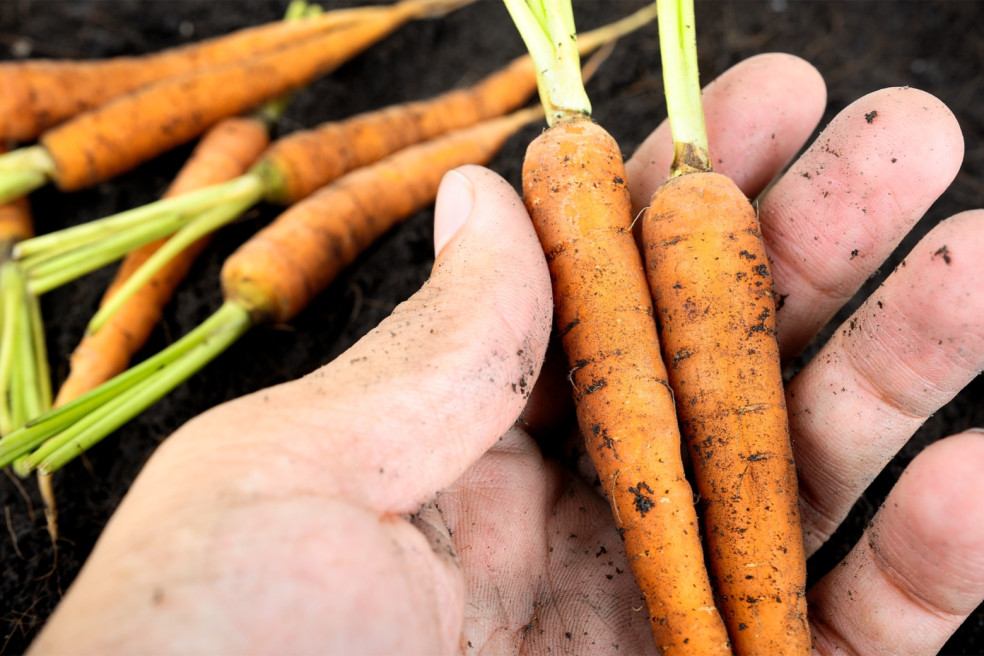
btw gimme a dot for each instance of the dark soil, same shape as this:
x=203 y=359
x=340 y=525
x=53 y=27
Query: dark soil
x=858 y=46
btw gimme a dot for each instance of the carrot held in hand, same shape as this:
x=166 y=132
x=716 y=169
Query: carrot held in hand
x=41 y=93
x=292 y=168
x=268 y=280
x=710 y=279
x=133 y=128
x=574 y=188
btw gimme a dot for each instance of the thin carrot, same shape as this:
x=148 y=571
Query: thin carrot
x=115 y=137
x=40 y=93
x=709 y=275
x=226 y=151
x=15 y=225
x=269 y=279
x=291 y=169
x=574 y=188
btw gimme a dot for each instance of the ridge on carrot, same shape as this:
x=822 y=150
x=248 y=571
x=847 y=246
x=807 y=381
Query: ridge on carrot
x=41 y=93
x=268 y=280
x=709 y=275
x=574 y=189
x=292 y=168
x=110 y=139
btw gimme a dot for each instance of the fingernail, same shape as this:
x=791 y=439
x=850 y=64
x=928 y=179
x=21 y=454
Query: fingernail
x=973 y=429
x=455 y=198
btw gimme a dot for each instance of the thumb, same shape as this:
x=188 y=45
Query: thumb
x=406 y=410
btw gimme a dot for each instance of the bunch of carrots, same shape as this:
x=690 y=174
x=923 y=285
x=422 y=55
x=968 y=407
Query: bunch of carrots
x=640 y=325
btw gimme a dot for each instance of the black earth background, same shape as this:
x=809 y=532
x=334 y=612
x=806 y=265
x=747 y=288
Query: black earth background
x=858 y=47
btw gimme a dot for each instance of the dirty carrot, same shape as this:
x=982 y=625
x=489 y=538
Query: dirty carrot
x=291 y=169
x=40 y=93
x=226 y=151
x=710 y=279
x=268 y=280
x=130 y=129
x=574 y=188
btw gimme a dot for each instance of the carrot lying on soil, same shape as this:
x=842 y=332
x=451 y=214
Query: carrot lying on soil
x=574 y=188
x=40 y=93
x=130 y=129
x=268 y=280
x=226 y=151
x=294 y=167
x=709 y=275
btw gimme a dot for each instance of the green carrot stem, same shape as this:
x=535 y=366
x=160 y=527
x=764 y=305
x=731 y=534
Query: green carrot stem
x=547 y=29
x=11 y=296
x=54 y=243
x=39 y=429
x=681 y=79
x=50 y=274
x=205 y=223
x=24 y=170
x=197 y=349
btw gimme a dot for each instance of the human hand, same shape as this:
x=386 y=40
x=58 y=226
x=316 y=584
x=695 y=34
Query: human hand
x=386 y=503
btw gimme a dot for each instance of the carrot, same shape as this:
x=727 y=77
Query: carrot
x=291 y=169
x=709 y=275
x=15 y=225
x=268 y=280
x=38 y=94
x=574 y=188
x=226 y=151
x=115 y=137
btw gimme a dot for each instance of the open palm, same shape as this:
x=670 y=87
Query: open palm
x=390 y=503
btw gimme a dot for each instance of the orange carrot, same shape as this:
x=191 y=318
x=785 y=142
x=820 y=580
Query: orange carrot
x=225 y=152
x=709 y=276
x=133 y=128
x=277 y=272
x=304 y=161
x=269 y=279
x=39 y=94
x=16 y=224
x=710 y=279
x=574 y=189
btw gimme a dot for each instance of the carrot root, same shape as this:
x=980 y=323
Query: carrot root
x=574 y=188
x=710 y=279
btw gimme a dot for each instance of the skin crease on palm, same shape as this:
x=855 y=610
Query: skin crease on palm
x=389 y=503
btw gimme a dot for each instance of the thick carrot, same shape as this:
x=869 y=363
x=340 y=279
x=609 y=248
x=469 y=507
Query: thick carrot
x=710 y=279
x=115 y=137
x=226 y=151
x=269 y=279
x=39 y=94
x=574 y=188
x=276 y=273
x=306 y=160
x=709 y=275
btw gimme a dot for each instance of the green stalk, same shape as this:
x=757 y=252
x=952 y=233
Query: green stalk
x=681 y=79
x=10 y=297
x=24 y=170
x=206 y=223
x=55 y=243
x=190 y=354
x=547 y=29
x=48 y=274
x=39 y=429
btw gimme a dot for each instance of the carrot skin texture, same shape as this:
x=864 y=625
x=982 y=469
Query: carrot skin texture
x=300 y=163
x=710 y=279
x=225 y=152
x=574 y=188
x=133 y=128
x=16 y=224
x=39 y=94
x=275 y=274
